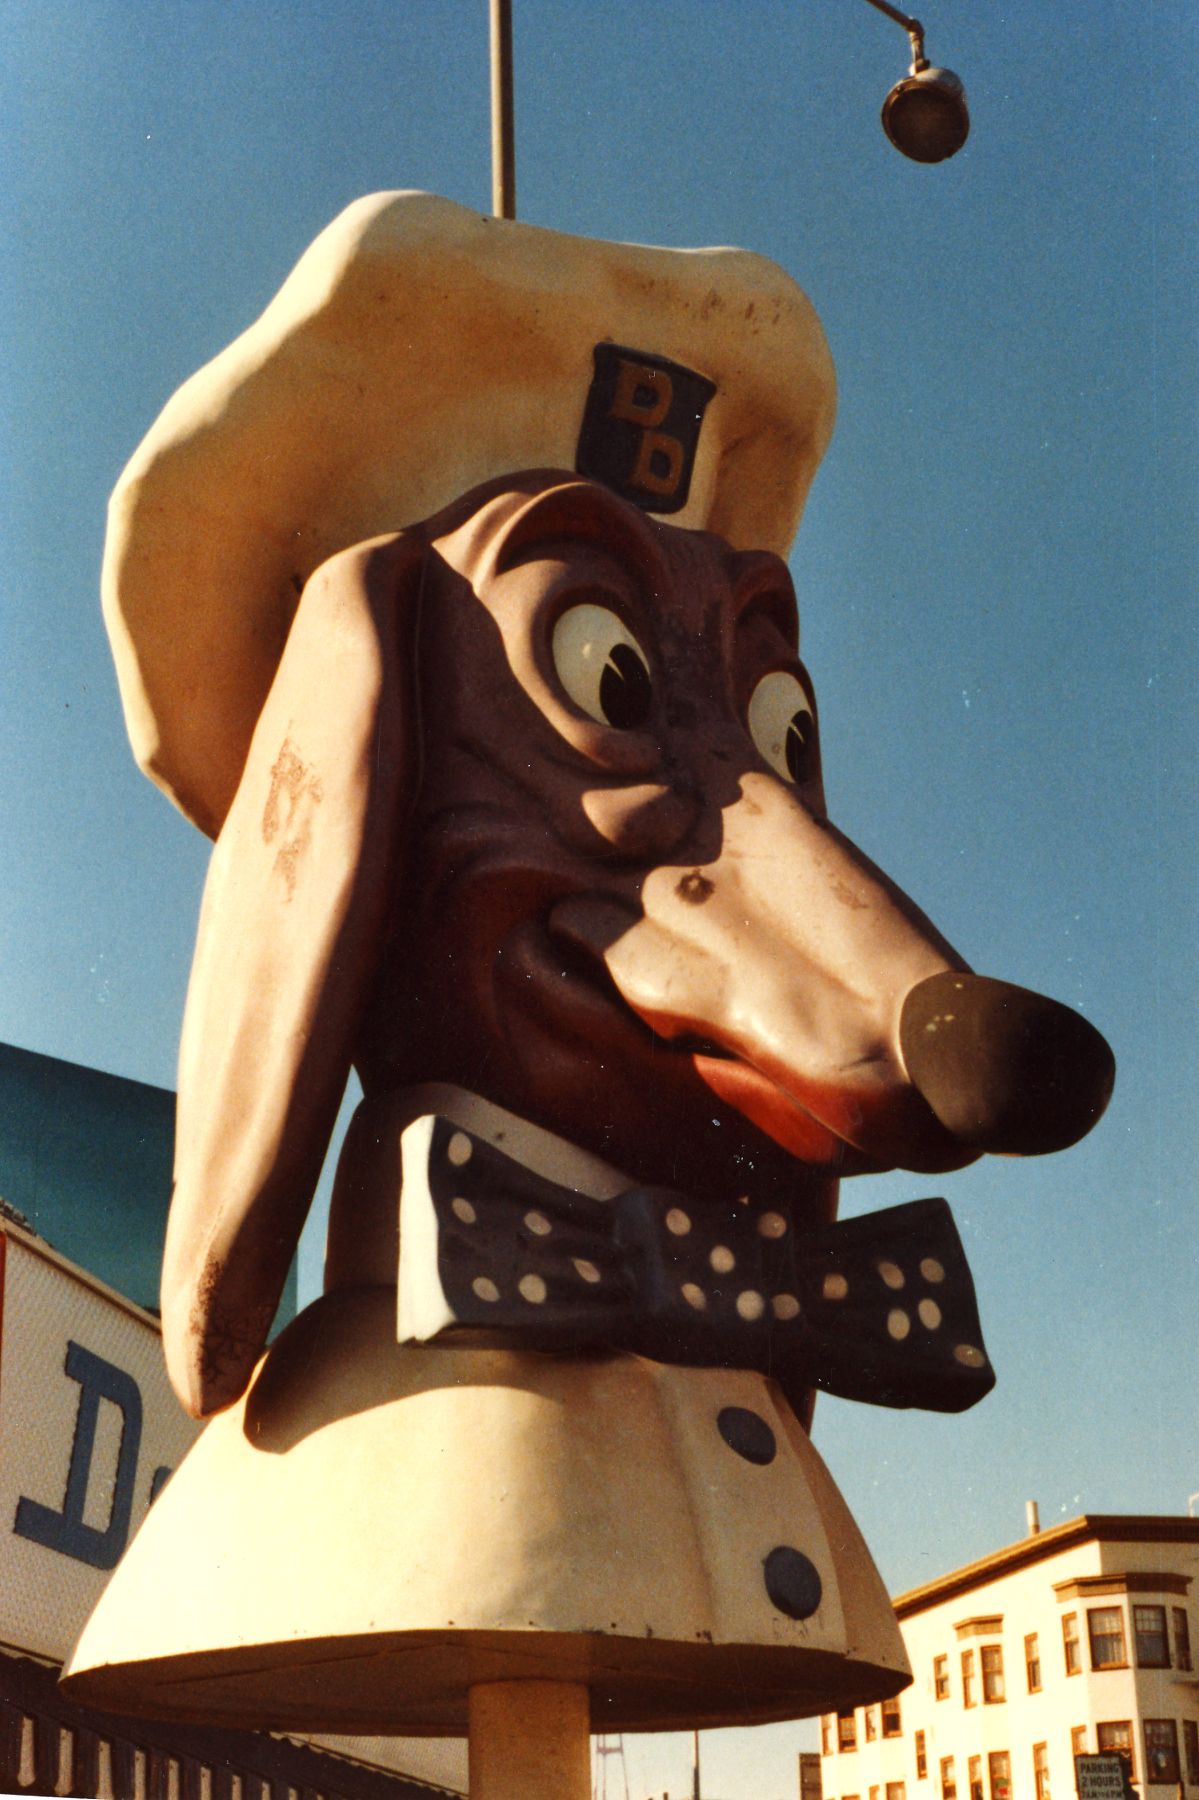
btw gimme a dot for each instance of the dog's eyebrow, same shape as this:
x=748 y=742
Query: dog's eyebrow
x=762 y=584
x=585 y=513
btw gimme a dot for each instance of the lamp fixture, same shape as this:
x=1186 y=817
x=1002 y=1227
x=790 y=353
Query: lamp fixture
x=925 y=114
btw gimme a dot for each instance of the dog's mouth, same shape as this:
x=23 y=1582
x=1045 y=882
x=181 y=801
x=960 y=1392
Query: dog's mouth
x=579 y=962
x=561 y=967
x=857 y=1117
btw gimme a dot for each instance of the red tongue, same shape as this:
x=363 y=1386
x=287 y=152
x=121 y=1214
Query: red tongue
x=864 y=1131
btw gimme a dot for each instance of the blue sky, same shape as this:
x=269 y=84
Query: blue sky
x=996 y=570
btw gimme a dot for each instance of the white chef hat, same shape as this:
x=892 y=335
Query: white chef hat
x=417 y=349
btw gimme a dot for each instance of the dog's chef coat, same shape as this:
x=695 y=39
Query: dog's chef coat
x=375 y=1526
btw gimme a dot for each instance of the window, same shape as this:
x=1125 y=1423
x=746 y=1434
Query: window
x=892 y=1724
x=991 y=1657
x=1070 y=1643
x=870 y=1720
x=976 y=1778
x=941 y=1672
x=1105 y=1624
x=1078 y=1741
x=1161 y=1751
x=66 y=1758
x=895 y=1790
x=967 y=1678
x=1032 y=1663
x=999 y=1769
x=1116 y=1735
x=949 y=1786
x=847 y=1737
x=1149 y=1630
x=1040 y=1770
x=826 y=1734
x=921 y=1758
x=1182 y=1638
x=1190 y=1740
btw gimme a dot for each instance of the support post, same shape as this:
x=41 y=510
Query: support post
x=503 y=132
x=530 y=1740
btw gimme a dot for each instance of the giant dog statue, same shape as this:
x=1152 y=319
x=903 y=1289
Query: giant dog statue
x=528 y=825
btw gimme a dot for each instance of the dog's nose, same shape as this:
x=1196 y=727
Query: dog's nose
x=1005 y=1070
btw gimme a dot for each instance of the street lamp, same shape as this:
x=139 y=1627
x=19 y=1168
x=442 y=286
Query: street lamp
x=925 y=114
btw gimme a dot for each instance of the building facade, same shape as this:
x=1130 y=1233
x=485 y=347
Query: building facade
x=89 y=1433
x=1077 y=1639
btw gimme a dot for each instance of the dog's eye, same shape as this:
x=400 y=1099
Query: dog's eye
x=782 y=725
x=602 y=667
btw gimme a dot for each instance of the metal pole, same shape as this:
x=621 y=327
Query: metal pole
x=695 y=1794
x=913 y=27
x=529 y=1741
x=503 y=133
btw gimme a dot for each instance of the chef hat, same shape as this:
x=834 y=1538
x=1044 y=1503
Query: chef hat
x=416 y=350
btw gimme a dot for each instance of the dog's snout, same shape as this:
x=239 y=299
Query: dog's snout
x=1003 y=1069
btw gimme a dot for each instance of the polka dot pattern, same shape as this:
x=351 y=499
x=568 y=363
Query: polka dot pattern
x=512 y=1248
x=878 y=1307
x=460 y=1149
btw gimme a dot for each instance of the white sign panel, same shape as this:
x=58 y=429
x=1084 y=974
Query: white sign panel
x=1100 y=1777
x=89 y=1431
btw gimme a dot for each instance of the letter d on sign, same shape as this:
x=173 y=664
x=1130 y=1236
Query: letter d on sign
x=641 y=426
x=67 y=1531
x=643 y=395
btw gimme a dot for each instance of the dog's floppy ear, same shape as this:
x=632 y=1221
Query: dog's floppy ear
x=293 y=911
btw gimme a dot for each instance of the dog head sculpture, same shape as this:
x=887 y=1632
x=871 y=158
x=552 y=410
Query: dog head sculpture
x=534 y=806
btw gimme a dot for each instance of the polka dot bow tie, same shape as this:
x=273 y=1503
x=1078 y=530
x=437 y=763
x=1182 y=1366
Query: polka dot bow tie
x=879 y=1308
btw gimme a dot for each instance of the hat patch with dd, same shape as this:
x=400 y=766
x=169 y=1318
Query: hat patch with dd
x=641 y=427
